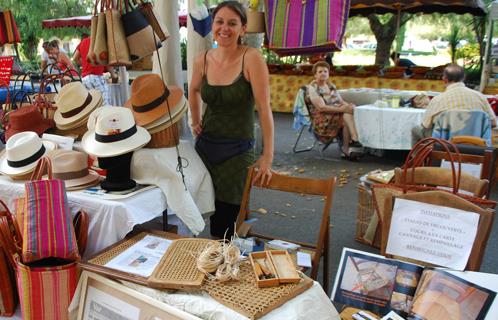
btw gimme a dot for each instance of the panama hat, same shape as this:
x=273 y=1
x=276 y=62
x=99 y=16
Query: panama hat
x=165 y=122
x=150 y=99
x=22 y=152
x=112 y=131
x=74 y=102
x=27 y=118
x=72 y=167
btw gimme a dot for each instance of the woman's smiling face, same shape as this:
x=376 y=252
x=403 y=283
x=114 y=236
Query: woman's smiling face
x=227 y=27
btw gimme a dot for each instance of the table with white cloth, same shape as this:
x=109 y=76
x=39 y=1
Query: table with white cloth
x=112 y=219
x=386 y=127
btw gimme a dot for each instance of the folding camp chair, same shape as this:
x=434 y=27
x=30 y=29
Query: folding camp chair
x=299 y=186
x=303 y=119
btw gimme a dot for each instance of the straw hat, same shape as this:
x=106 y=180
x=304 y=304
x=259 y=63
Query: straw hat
x=150 y=99
x=72 y=167
x=27 y=118
x=164 y=122
x=74 y=102
x=112 y=132
x=22 y=152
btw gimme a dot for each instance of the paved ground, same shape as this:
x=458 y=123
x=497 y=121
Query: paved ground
x=298 y=218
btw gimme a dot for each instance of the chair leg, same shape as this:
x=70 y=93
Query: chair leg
x=295 y=149
x=326 y=271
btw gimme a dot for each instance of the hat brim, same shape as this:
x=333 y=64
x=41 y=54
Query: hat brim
x=11 y=171
x=174 y=102
x=40 y=128
x=176 y=115
x=91 y=179
x=96 y=100
x=167 y=124
x=112 y=149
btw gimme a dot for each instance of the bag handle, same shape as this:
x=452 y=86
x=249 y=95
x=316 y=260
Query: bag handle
x=10 y=235
x=43 y=165
x=419 y=156
x=80 y=223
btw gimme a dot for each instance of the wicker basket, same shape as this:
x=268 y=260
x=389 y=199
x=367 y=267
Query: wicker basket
x=166 y=138
x=366 y=211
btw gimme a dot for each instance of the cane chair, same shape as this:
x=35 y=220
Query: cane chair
x=300 y=187
x=442 y=198
x=304 y=119
x=472 y=154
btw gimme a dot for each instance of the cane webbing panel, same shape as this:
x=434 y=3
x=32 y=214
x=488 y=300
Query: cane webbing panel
x=246 y=298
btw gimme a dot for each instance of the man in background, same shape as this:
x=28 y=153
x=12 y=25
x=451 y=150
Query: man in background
x=456 y=97
x=93 y=76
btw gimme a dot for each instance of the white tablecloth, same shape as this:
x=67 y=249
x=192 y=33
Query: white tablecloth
x=111 y=220
x=386 y=128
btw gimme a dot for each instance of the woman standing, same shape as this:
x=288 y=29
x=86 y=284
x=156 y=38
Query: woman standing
x=230 y=79
x=331 y=114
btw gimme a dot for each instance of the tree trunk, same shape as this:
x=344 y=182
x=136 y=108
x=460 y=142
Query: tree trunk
x=384 y=34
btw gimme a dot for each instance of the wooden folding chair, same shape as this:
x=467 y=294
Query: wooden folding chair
x=486 y=156
x=442 y=198
x=303 y=186
x=442 y=177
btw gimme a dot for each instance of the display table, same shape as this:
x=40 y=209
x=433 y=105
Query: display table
x=111 y=220
x=386 y=128
x=283 y=88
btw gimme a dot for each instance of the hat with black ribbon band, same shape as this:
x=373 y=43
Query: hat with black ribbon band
x=27 y=161
x=116 y=137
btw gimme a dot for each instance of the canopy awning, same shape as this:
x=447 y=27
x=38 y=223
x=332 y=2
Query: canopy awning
x=366 y=7
x=85 y=22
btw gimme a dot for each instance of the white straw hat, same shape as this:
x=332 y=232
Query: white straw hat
x=74 y=102
x=72 y=167
x=22 y=152
x=112 y=132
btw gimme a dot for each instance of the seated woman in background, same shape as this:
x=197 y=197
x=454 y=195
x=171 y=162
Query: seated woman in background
x=63 y=62
x=331 y=114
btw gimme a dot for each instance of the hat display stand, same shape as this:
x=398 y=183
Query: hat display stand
x=118 y=172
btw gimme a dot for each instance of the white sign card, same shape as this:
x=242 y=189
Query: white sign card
x=474 y=169
x=431 y=233
x=64 y=143
x=103 y=306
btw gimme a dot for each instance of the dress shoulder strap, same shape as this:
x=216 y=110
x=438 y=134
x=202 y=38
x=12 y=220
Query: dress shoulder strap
x=204 y=66
x=243 y=56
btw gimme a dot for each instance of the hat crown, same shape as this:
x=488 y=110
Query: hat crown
x=69 y=161
x=22 y=145
x=25 y=118
x=146 y=88
x=113 y=120
x=73 y=95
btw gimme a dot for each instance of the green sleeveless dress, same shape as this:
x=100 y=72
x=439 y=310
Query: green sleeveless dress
x=229 y=114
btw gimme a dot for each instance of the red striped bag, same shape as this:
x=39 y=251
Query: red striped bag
x=46 y=292
x=47 y=228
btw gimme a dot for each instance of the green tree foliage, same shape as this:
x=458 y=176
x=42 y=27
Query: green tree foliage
x=29 y=15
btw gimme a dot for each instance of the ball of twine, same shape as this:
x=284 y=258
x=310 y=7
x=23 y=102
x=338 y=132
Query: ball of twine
x=220 y=258
x=210 y=258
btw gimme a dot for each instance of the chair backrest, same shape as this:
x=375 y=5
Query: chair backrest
x=452 y=123
x=441 y=198
x=306 y=186
x=301 y=113
x=485 y=156
x=442 y=177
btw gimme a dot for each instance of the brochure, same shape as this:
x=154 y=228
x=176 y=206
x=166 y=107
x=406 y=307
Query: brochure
x=373 y=282
x=142 y=257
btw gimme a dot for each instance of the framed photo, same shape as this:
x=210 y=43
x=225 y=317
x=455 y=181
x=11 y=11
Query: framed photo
x=104 y=299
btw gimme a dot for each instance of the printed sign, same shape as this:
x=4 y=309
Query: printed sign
x=431 y=233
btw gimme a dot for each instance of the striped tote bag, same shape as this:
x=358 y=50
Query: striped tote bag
x=305 y=27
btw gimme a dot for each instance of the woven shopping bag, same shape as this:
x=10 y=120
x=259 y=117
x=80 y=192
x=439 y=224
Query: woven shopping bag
x=147 y=10
x=139 y=33
x=91 y=57
x=47 y=229
x=119 y=54
x=420 y=156
x=295 y=27
x=8 y=289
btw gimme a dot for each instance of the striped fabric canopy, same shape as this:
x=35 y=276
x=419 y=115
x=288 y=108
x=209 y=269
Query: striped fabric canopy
x=366 y=7
x=297 y=27
x=8 y=28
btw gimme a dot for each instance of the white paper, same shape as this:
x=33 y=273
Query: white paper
x=64 y=143
x=430 y=233
x=102 y=306
x=474 y=169
x=141 y=258
x=303 y=259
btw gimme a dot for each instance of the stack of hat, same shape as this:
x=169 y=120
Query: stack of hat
x=74 y=105
x=72 y=167
x=28 y=118
x=21 y=154
x=157 y=108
